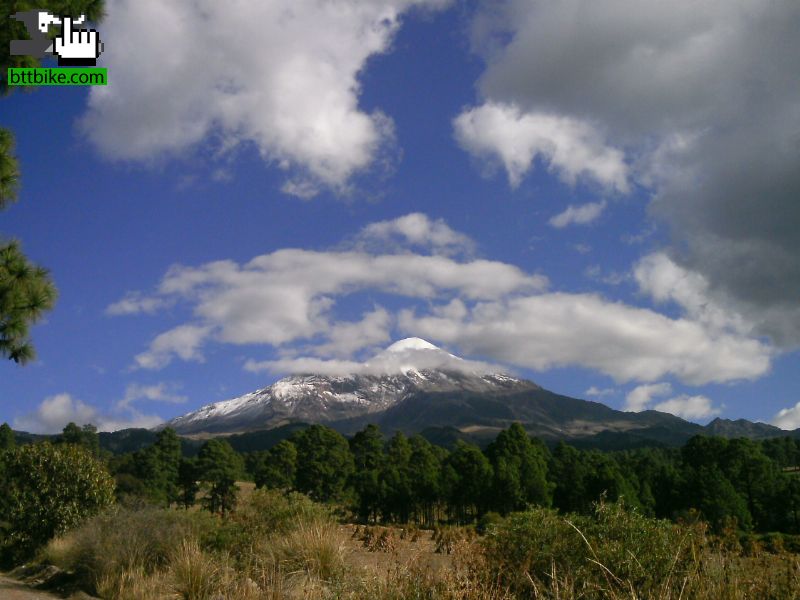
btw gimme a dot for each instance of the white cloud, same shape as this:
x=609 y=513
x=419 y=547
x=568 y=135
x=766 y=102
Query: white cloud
x=282 y=75
x=688 y=407
x=665 y=281
x=417 y=229
x=387 y=362
x=578 y=215
x=571 y=147
x=289 y=298
x=595 y=392
x=160 y=392
x=673 y=85
x=55 y=412
x=788 y=418
x=639 y=398
x=627 y=343
x=183 y=341
x=134 y=303
x=345 y=338
x=289 y=295
x=684 y=406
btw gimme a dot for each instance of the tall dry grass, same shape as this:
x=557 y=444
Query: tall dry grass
x=279 y=546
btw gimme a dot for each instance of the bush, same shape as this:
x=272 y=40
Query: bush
x=263 y=514
x=488 y=521
x=613 y=549
x=49 y=489
x=122 y=541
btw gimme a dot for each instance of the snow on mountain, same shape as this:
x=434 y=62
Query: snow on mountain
x=412 y=343
x=406 y=367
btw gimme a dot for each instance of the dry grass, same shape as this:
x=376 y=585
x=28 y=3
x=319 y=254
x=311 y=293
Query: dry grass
x=286 y=547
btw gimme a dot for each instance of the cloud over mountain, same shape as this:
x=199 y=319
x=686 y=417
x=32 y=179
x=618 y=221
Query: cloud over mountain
x=287 y=301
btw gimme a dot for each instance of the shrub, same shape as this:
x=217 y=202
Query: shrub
x=613 y=549
x=487 y=521
x=49 y=489
x=313 y=549
x=193 y=573
x=264 y=513
x=112 y=547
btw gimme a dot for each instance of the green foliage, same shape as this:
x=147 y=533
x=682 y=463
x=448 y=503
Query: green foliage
x=9 y=169
x=467 y=475
x=155 y=467
x=324 y=462
x=85 y=436
x=122 y=539
x=49 y=489
x=7 y=441
x=276 y=468
x=520 y=471
x=615 y=549
x=368 y=457
x=219 y=466
x=188 y=476
x=26 y=292
x=264 y=513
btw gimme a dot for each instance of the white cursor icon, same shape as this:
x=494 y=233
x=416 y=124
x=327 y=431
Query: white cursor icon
x=77 y=47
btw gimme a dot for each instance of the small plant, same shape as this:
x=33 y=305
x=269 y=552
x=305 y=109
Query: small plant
x=193 y=575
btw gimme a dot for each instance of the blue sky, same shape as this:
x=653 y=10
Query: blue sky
x=599 y=198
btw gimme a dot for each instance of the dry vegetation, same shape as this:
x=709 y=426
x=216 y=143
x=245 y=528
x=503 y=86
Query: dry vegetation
x=285 y=546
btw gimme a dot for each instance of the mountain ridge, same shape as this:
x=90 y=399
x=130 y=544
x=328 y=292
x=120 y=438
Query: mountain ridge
x=413 y=386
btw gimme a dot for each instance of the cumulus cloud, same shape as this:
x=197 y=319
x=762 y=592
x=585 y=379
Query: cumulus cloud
x=55 y=412
x=183 y=341
x=281 y=75
x=572 y=148
x=578 y=215
x=638 y=399
x=688 y=407
x=288 y=300
x=625 y=342
x=133 y=303
x=662 y=279
x=416 y=230
x=289 y=295
x=159 y=392
x=788 y=418
x=345 y=337
x=388 y=362
x=595 y=392
x=705 y=100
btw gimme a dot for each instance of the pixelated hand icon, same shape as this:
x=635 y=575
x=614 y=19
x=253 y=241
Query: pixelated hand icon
x=77 y=47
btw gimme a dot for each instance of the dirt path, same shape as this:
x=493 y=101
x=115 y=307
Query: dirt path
x=11 y=589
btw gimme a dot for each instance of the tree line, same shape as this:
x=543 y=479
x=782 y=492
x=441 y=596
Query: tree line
x=753 y=484
x=408 y=479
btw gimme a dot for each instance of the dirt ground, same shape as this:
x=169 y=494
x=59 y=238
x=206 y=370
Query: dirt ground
x=11 y=589
x=398 y=550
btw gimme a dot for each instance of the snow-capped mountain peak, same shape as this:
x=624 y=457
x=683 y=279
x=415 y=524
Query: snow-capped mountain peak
x=406 y=367
x=412 y=343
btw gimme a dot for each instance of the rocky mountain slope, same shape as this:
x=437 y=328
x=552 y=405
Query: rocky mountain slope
x=405 y=370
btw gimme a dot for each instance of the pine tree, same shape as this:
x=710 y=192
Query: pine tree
x=26 y=291
x=324 y=462
x=220 y=466
x=7 y=441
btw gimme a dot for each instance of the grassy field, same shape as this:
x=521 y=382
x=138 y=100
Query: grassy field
x=285 y=546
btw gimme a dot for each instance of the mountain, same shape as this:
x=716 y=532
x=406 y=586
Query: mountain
x=743 y=428
x=404 y=370
x=414 y=386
